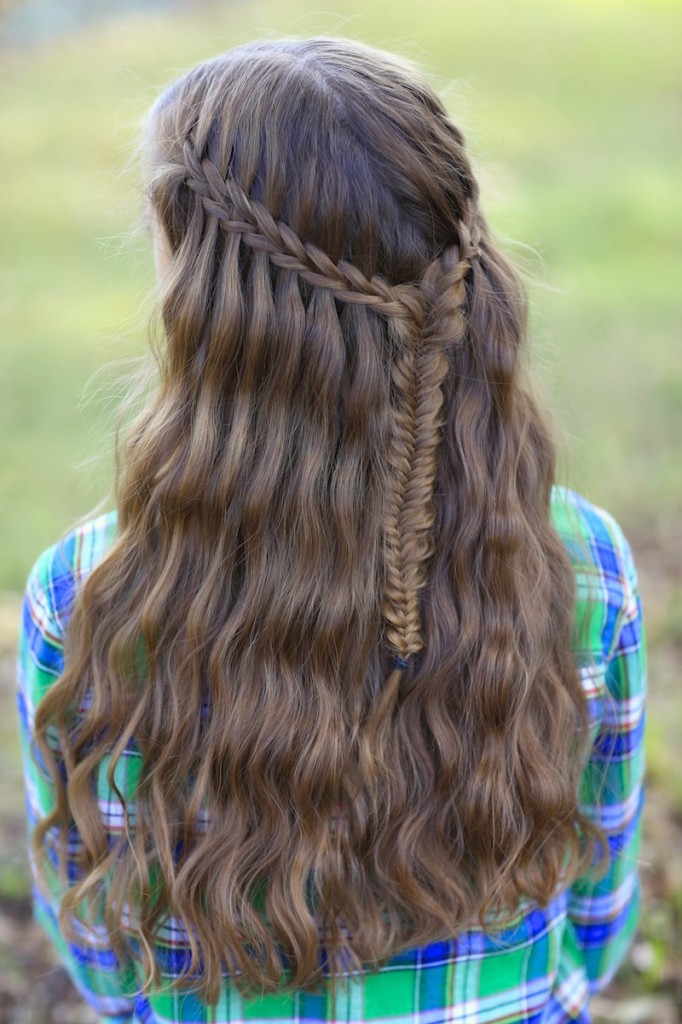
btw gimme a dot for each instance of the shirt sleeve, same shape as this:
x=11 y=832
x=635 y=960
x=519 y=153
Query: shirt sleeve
x=603 y=915
x=91 y=963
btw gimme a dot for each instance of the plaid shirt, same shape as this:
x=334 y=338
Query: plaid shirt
x=542 y=969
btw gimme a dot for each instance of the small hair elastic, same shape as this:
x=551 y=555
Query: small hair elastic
x=400 y=662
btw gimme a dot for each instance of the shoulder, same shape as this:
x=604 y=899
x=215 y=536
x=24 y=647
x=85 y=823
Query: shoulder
x=60 y=569
x=606 y=576
x=578 y=520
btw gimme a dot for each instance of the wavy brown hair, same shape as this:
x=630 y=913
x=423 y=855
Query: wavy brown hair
x=337 y=620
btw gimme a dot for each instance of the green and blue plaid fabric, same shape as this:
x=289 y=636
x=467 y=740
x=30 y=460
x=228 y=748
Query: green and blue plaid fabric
x=542 y=969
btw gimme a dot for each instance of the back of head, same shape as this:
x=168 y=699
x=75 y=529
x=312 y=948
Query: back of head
x=345 y=145
x=358 y=707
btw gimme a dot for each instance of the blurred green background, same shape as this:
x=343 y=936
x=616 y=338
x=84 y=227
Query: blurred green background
x=572 y=114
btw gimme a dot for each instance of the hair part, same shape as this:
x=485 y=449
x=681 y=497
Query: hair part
x=337 y=621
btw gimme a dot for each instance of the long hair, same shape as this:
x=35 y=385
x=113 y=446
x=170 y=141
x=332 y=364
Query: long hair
x=336 y=622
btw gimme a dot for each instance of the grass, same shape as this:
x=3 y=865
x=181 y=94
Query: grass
x=569 y=109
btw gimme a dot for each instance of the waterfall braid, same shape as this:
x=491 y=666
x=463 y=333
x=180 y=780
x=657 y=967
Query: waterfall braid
x=226 y=200
x=417 y=372
x=336 y=622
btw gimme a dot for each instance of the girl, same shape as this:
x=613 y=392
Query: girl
x=339 y=714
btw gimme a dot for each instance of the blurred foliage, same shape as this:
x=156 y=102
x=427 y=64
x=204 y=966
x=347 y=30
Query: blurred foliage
x=571 y=113
x=569 y=109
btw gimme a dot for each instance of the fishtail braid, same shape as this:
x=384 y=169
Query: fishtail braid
x=424 y=320
x=418 y=372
